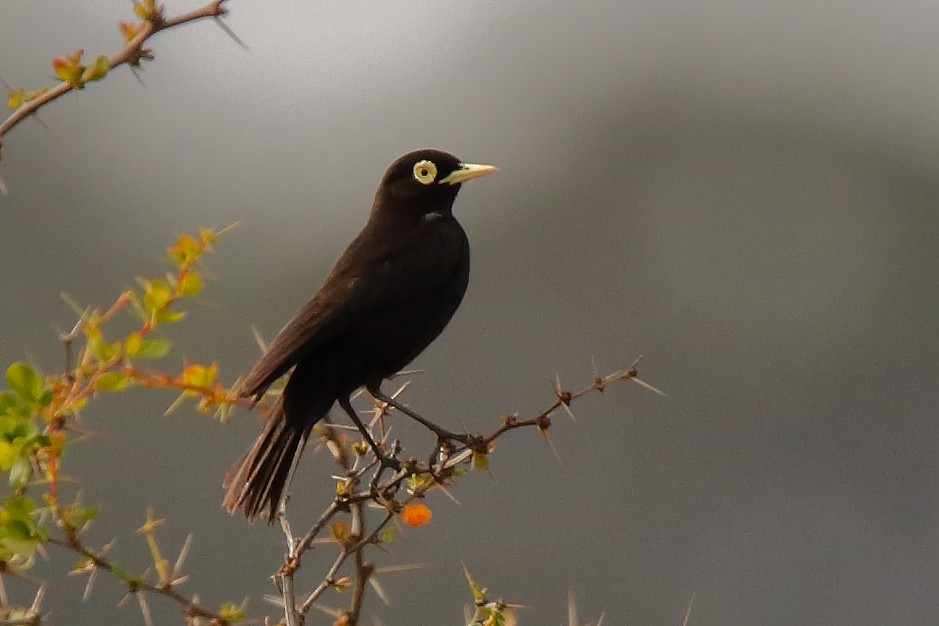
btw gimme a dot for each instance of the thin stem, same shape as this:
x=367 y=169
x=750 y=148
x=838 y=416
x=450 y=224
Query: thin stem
x=130 y=54
x=382 y=492
x=73 y=542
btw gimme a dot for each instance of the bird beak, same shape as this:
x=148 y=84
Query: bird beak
x=467 y=171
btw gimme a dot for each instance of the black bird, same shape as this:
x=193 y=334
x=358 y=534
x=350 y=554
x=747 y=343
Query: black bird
x=389 y=295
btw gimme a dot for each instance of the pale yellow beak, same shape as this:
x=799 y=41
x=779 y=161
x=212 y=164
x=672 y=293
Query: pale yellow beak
x=467 y=171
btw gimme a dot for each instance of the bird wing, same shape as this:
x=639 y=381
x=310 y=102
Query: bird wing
x=317 y=321
x=366 y=279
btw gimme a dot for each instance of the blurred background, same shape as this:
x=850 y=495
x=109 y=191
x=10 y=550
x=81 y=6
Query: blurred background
x=744 y=193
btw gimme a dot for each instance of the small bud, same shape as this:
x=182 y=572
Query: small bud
x=17 y=98
x=98 y=70
x=129 y=29
x=69 y=68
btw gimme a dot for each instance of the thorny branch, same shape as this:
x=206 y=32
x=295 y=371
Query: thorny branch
x=53 y=402
x=354 y=494
x=367 y=501
x=131 y=54
x=194 y=612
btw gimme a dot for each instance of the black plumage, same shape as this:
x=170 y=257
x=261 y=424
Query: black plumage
x=389 y=295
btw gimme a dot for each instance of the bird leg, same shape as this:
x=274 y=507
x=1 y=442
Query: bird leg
x=441 y=433
x=384 y=461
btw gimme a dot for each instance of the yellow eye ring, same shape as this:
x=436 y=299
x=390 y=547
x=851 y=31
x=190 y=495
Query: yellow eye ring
x=425 y=172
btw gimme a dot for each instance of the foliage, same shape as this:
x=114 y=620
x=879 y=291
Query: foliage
x=74 y=73
x=39 y=412
x=38 y=423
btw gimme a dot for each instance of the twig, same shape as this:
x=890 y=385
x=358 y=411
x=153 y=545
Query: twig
x=383 y=493
x=131 y=54
x=136 y=585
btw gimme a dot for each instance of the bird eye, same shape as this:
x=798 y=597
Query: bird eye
x=425 y=172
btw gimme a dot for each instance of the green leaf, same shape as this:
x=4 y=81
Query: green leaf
x=78 y=516
x=18 y=556
x=479 y=592
x=18 y=507
x=152 y=349
x=492 y=617
x=24 y=381
x=24 y=429
x=104 y=351
x=132 y=344
x=18 y=530
x=112 y=381
x=8 y=454
x=8 y=401
x=45 y=398
x=20 y=473
x=232 y=612
x=157 y=295
x=480 y=462
x=170 y=317
x=191 y=284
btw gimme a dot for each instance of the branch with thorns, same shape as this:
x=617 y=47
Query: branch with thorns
x=168 y=579
x=76 y=76
x=355 y=493
x=41 y=416
x=365 y=483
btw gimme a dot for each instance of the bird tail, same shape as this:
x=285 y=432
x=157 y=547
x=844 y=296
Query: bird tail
x=258 y=481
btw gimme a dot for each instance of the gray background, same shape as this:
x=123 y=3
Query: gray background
x=742 y=192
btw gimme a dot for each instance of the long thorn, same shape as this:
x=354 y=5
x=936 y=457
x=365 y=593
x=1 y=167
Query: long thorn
x=228 y=31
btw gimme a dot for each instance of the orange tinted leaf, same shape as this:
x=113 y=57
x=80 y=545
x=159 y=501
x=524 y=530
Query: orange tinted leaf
x=129 y=29
x=185 y=250
x=62 y=69
x=208 y=236
x=199 y=375
x=69 y=68
x=147 y=9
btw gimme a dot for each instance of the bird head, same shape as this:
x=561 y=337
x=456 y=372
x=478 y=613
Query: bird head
x=425 y=181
